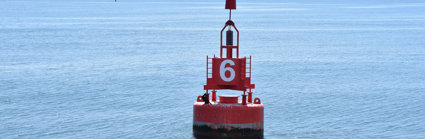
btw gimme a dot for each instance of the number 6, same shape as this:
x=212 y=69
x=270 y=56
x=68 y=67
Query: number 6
x=223 y=70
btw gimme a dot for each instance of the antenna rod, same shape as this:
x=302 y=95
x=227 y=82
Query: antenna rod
x=230 y=14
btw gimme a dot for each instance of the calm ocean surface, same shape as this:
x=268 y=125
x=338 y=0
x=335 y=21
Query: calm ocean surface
x=132 y=69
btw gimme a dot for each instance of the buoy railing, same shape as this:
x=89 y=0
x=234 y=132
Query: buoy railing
x=248 y=67
x=209 y=66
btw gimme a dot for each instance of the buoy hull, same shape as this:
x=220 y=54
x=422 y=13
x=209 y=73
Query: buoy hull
x=223 y=120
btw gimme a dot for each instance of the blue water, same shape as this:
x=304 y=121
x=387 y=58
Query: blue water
x=132 y=69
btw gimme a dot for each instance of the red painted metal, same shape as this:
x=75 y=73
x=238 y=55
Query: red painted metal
x=228 y=99
x=244 y=99
x=214 y=97
x=249 y=97
x=199 y=99
x=228 y=117
x=229 y=113
x=241 y=81
x=230 y=4
x=229 y=24
x=257 y=101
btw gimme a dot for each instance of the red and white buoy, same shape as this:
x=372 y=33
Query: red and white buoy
x=228 y=117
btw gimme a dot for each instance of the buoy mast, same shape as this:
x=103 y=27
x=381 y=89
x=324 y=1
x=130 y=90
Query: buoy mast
x=233 y=73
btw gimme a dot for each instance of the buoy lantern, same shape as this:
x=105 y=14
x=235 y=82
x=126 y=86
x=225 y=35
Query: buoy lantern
x=228 y=117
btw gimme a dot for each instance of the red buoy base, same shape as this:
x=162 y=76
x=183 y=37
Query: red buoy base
x=228 y=120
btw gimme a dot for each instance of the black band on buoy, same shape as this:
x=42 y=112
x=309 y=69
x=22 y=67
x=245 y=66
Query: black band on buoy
x=229 y=37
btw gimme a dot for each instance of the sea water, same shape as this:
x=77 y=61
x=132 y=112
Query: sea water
x=132 y=69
